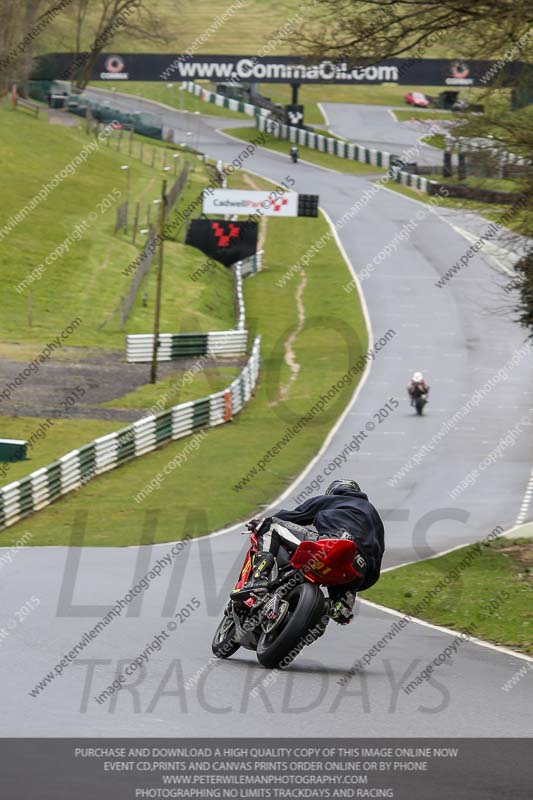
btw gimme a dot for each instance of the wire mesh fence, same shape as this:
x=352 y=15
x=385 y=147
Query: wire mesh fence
x=143 y=262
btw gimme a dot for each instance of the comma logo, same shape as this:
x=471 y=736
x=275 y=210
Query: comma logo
x=114 y=69
x=459 y=69
x=114 y=64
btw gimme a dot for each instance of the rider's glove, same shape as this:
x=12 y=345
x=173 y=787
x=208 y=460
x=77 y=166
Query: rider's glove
x=341 y=609
x=255 y=524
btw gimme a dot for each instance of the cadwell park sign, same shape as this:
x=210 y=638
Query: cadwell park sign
x=280 y=69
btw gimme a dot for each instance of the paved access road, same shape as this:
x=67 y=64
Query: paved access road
x=377 y=127
x=454 y=335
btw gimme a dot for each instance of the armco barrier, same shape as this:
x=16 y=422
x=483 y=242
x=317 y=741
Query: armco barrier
x=462 y=144
x=326 y=144
x=353 y=152
x=224 y=344
x=251 y=265
x=42 y=487
x=413 y=181
x=224 y=102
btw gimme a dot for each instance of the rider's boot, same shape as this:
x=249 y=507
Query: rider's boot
x=257 y=583
x=341 y=606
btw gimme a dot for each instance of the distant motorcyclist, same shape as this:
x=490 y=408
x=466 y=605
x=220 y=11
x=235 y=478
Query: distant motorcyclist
x=417 y=387
x=294 y=154
x=344 y=511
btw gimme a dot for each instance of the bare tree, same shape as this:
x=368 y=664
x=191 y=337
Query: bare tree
x=20 y=25
x=369 y=31
x=524 y=308
x=377 y=29
x=95 y=24
x=99 y=22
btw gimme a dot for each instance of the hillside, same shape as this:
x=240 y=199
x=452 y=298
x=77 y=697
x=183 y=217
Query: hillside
x=89 y=275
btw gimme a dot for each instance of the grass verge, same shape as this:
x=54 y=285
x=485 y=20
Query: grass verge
x=490 y=597
x=52 y=438
x=320 y=159
x=435 y=140
x=179 y=387
x=199 y=495
x=499 y=184
x=89 y=276
x=170 y=94
x=406 y=115
x=494 y=212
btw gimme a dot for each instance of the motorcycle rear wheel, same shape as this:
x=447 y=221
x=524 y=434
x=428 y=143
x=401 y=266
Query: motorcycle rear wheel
x=307 y=606
x=224 y=644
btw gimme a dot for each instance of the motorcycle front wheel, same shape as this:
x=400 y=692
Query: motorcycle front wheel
x=224 y=644
x=307 y=607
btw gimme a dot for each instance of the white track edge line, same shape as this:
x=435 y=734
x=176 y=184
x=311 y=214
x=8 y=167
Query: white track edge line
x=164 y=105
x=450 y=631
x=526 y=501
x=479 y=642
x=430 y=558
x=349 y=406
x=283 y=155
x=322 y=111
x=353 y=398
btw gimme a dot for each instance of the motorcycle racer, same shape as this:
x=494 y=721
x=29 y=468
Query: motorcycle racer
x=344 y=511
x=417 y=387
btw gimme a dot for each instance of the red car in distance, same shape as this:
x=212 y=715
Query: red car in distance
x=416 y=99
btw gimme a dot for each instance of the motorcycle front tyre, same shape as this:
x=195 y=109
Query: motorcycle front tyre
x=224 y=644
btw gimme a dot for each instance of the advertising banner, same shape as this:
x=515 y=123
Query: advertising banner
x=244 y=202
x=223 y=240
x=280 y=69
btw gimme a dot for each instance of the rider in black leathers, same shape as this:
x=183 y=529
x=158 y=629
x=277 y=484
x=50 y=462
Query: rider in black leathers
x=343 y=510
x=417 y=387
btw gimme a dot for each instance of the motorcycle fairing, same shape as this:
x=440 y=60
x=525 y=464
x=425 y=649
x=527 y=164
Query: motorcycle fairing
x=327 y=561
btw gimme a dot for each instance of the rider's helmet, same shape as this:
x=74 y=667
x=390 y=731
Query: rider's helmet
x=337 y=487
x=417 y=377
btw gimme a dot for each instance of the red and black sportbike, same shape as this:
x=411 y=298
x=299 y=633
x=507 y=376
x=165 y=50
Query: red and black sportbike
x=294 y=610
